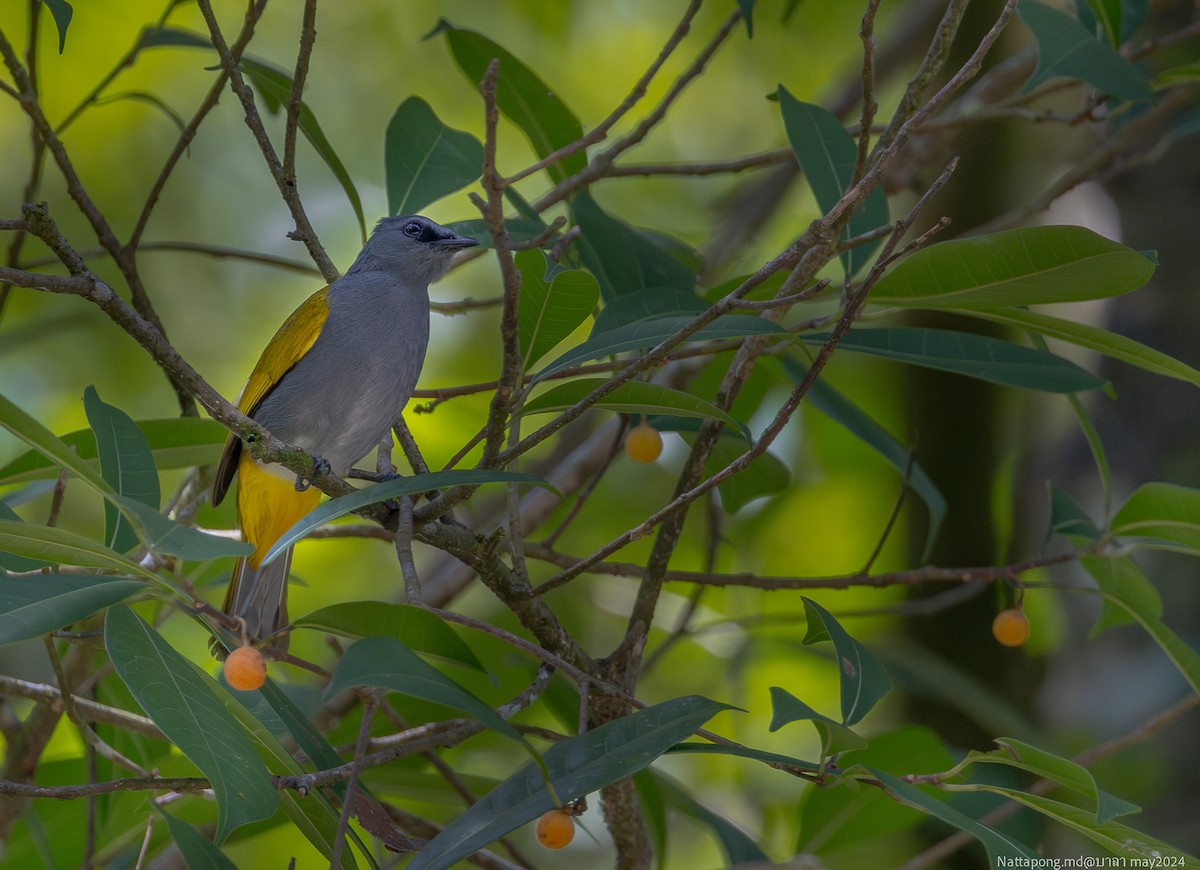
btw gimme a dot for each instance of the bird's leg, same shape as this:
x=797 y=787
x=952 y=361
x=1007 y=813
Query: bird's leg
x=321 y=467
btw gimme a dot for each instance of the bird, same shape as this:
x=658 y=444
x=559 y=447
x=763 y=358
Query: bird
x=333 y=380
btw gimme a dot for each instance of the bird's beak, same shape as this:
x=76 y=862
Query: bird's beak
x=455 y=242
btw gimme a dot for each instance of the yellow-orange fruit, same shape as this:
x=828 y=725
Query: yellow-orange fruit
x=555 y=829
x=1011 y=627
x=245 y=669
x=643 y=443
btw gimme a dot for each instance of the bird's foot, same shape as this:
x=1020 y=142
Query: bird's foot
x=321 y=467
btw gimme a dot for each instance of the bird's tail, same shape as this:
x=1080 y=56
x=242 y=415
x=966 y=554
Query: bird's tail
x=268 y=505
x=259 y=597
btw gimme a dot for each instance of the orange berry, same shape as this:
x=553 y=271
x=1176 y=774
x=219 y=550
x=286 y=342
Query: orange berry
x=555 y=829
x=1011 y=627
x=245 y=669
x=643 y=443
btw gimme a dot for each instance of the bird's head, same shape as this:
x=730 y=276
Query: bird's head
x=415 y=246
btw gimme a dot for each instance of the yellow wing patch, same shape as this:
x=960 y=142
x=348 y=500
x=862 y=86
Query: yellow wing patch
x=293 y=340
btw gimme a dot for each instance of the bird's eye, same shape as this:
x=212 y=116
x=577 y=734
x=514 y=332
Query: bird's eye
x=412 y=229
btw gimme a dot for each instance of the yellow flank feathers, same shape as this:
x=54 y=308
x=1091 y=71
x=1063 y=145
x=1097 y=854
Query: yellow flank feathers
x=286 y=347
x=268 y=505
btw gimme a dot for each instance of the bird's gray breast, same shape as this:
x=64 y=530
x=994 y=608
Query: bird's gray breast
x=343 y=395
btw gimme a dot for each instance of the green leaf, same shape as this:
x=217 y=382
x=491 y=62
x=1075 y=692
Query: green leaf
x=550 y=308
x=624 y=259
x=61 y=547
x=44 y=442
x=747 y=7
x=1105 y=13
x=387 y=663
x=182 y=702
x=649 y=333
x=827 y=155
x=418 y=483
x=275 y=86
x=863 y=679
x=841 y=410
x=416 y=627
x=743 y=752
x=197 y=851
x=521 y=96
x=33 y=606
x=9 y=561
x=1165 y=513
x=424 y=159
x=1067 y=516
x=165 y=536
x=646 y=305
x=1103 y=341
x=632 y=397
x=999 y=845
x=1065 y=48
x=1120 y=578
x=61 y=11
x=738 y=846
x=127 y=465
x=1027 y=266
x=1115 y=837
x=175 y=442
x=978 y=356
x=835 y=736
x=1017 y=753
x=1124 y=589
x=578 y=766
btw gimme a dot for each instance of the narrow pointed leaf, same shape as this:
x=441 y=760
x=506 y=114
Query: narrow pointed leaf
x=1067 y=517
x=863 y=679
x=978 y=356
x=645 y=334
x=764 y=476
x=33 y=606
x=1122 y=589
x=1026 y=266
x=578 y=766
x=416 y=627
x=127 y=465
x=1065 y=48
x=181 y=701
x=646 y=305
x=835 y=736
x=1022 y=755
x=521 y=96
x=424 y=159
x=633 y=397
x=1121 y=579
x=1000 y=845
x=44 y=442
x=1117 y=838
x=61 y=11
x=738 y=846
x=1162 y=512
x=418 y=483
x=1103 y=341
x=165 y=536
x=197 y=851
x=827 y=154
x=550 y=308
x=738 y=751
x=623 y=258
x=11 y=561
x=62 y=547
x=175 y=442
x=386 y=663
